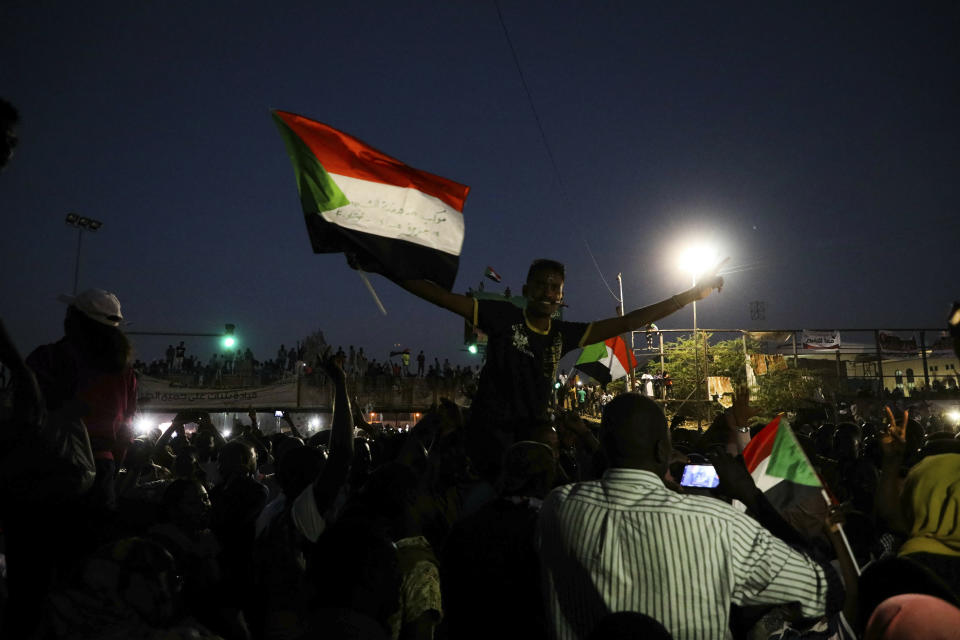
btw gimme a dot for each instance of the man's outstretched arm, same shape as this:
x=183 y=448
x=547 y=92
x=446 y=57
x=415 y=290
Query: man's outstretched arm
x=459 y=304
x=639 y=318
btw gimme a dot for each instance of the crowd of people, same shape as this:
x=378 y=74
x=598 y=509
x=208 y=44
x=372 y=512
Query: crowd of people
x=190 y=370
x=560 y=529
x=507 y=518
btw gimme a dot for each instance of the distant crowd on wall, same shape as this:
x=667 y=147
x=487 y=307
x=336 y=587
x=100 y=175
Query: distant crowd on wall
x=192 y=370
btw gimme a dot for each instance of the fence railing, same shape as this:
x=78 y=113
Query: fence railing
x=849 y=360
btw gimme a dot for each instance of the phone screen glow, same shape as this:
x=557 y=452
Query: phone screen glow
x=699 y=475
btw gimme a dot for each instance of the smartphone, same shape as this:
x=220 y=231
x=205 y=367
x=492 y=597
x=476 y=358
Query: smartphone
x=278 y=414
x=699 y=475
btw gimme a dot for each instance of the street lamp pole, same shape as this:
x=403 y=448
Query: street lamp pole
x=697 y=260
x=76 y=265
x=631 y=380
x=696 y=351
x=82 y=223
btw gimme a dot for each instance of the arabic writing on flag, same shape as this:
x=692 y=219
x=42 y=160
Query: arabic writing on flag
x=387 y=217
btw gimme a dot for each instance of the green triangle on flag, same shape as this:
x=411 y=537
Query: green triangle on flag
x=318 y=191
x=592 y=353
x=788 y=460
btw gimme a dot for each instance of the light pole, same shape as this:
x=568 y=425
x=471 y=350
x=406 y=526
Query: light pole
x=82 y=224
x=631 y=380
x=697 y=260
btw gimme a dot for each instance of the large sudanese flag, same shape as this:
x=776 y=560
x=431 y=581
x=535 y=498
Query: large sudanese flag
x=607 y=360
x=781 y=469
x=387 y=217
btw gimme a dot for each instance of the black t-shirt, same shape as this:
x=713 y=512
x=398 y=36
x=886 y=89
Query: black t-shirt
x=516 y=383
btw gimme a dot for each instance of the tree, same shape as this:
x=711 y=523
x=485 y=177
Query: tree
x=684 y=361
x=786 y=389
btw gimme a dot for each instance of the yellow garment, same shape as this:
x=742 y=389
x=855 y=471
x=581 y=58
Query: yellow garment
x=931 y=506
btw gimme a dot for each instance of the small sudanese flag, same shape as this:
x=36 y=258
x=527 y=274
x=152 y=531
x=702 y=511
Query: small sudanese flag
x=493 y=275
x=780 y=467
x=387 y=217
x=606 y=361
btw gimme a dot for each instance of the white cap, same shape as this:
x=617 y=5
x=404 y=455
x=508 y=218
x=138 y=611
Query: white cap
x=97 y=304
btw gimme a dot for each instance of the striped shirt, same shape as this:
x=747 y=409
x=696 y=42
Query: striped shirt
x=627 y=543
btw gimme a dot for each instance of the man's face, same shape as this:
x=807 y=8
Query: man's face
x=544 y=292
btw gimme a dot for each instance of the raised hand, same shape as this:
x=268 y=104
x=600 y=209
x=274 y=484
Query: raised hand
x=328 y=362
x=893 y=440
x=738 y=416
x=735 y=480
x=709 y=281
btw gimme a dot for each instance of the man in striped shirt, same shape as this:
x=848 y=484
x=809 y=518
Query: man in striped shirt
x=628 y=543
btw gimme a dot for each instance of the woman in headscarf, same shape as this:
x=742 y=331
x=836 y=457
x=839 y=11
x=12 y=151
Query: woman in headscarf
x=930 y=502
x=929 y=561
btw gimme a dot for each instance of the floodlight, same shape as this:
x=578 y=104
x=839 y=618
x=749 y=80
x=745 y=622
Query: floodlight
x=698 y=258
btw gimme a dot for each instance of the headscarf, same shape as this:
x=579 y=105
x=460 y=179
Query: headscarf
x=931 y=506
x=912 y=615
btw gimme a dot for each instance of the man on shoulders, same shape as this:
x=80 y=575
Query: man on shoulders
x=628 y=543
x=525 y=345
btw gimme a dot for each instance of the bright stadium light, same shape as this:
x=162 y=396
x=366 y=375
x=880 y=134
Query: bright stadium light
x=472 y=348
x=229 y=342
x=698 y=259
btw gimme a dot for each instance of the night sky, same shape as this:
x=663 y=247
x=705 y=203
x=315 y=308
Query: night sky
x=815 y=143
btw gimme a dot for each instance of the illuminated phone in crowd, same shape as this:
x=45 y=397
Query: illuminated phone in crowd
x=278 y=414
x=699 y=475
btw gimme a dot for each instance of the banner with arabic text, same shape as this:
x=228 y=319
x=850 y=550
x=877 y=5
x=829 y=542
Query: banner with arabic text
x=820 y=339
x=159 y=394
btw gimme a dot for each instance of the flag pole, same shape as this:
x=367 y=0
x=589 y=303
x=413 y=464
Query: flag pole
x=366 y=281
x=826 y=498
x=843 y=535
